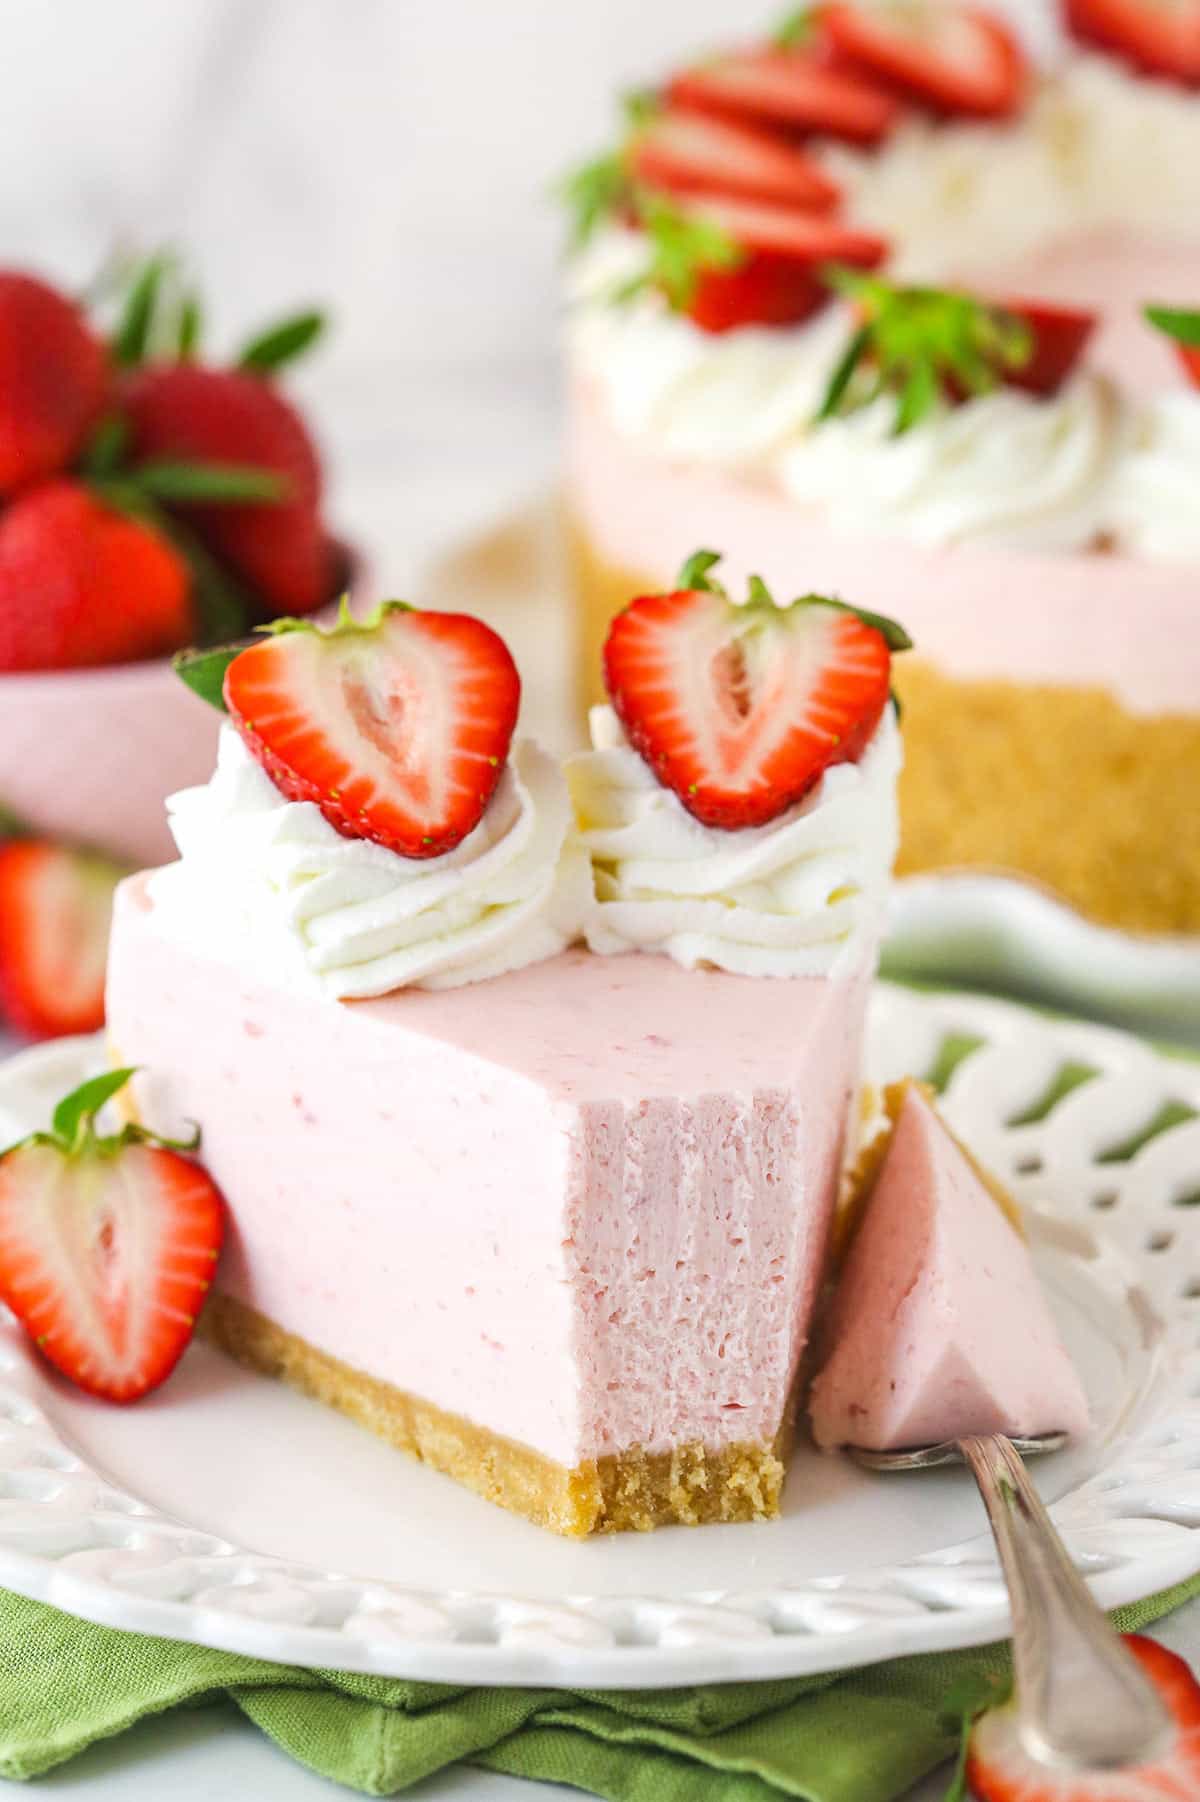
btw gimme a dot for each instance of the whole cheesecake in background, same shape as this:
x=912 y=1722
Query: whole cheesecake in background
x=528 y=1094
x=869 y=300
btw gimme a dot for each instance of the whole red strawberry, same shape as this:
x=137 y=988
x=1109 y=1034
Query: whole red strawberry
x=183 y=411
x=740 y=710
x=53 y=376
x=108 y=1245
x=82 y=584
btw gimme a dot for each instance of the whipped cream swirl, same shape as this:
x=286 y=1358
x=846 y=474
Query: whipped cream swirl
x=1098 y=148
x=1156 y=504
x=275 y=885
x=729 y=399
x=796 y=897
x=1007 y=466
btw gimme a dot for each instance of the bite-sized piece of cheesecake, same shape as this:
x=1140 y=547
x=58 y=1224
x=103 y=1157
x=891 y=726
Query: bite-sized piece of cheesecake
x=552 y=1220
x=938 y=1325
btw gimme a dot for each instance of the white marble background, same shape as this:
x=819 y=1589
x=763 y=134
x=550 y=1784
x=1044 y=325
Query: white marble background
x=389 y=157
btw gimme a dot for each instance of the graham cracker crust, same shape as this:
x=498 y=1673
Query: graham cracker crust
x=1049 y=782
x=631 y=1492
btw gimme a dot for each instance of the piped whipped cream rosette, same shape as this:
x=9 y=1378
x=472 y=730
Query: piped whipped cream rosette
x=370 y=826
x=361 y=920
x=793 y=898
x=738 y=804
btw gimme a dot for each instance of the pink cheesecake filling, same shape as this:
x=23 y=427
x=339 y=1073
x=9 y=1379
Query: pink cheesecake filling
x=939 y=1327
x=1092 y=619
x=585 y=1205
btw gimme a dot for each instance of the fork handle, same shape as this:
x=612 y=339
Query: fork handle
x=1083 y=1703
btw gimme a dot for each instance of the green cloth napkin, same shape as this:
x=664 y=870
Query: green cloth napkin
x=865 y=1736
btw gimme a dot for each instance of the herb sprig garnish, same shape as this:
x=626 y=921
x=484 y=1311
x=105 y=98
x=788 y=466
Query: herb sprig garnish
x=927 y=347
x=796 y=29
x=683 y=247
x=603 y=186
x=1177 y=323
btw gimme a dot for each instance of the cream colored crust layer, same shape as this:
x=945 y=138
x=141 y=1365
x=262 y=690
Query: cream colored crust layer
x=633 y=1491
x=1056 y=784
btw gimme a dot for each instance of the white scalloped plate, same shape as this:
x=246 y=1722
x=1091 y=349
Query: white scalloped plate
x=227 y=1511
x=972 y=926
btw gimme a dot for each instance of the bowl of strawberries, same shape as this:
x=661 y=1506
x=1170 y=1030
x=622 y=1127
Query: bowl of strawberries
x=150 y=500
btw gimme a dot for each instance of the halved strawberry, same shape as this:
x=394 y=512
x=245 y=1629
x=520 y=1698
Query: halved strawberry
x=1000 y=1770
x=55 y=912
x=685 y=153
x=776 y=279
x=741 y=710
x=1060 y=335
x=792 y=89
x=957 y=59
x=1160 y=36
x=107 y=1246
x=397 y=729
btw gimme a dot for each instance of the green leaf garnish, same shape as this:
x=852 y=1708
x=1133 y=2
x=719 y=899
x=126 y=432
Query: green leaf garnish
x=204 y=671
x=694 y=574
x=73 y=1126
x=601 y=187
x=188 y=328
x=109 y=441
x=85 y=1102
x=1177 y=323
x=592 y=193
x=170 y=479
x=346 y=622
x=271 y=349
x=136 y=324
x=926 y=347
x=796 y=28
x=890 y=630
x=683 y=247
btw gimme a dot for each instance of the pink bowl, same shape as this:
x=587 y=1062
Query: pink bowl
x=90 y=756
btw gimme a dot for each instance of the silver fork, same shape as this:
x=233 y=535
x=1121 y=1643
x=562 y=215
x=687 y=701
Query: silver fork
x=1083 y=1703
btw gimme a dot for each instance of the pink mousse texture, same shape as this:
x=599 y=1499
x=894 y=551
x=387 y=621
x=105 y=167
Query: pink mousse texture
x=938 y=1326
x=91 y=755
x=585 y=1205
x=1080 y=619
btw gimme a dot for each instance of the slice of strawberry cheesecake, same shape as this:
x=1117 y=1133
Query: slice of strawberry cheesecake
x=938 y=1326
x=553 y=1221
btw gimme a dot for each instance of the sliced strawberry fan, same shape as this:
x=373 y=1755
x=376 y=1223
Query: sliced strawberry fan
x=795 y=92
x=1159 y=37
x=108 y=1245
x=954 y=59
x=740 y=710
x=681 y=152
